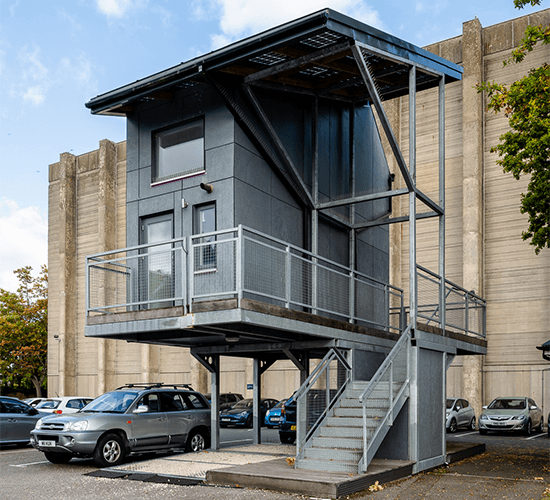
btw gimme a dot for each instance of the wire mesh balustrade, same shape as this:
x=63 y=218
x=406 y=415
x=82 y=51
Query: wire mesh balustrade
x=464 y=310
x=141 y=277
x=238 y=263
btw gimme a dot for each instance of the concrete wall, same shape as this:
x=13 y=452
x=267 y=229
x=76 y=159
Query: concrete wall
x=484 y=250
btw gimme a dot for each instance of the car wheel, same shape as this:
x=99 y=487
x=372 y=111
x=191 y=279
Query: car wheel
x=249 y=422
x=286 y=439
x=473 y=424
x=452 y=426
x=540 y=428
x=482 y=432
x=195 y=442
x=528 y=428
x=58 y=458
x=110 y=451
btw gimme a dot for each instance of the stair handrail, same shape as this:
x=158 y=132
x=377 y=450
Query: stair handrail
x=384 y=367
x=303 y=435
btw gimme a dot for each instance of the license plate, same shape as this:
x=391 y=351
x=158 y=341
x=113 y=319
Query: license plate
x=226 y=420
x=274 y=419
x=47 y=444
x=292 y=427
x=500 y=423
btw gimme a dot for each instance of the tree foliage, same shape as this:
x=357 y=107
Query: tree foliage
x=24 y=330
x=525 y=148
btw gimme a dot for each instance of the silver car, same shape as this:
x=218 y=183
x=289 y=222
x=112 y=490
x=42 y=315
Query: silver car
x=459 y=413
x=17 y=419
x=135 y=418
x=511 y=414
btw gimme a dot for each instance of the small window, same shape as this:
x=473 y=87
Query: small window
x=196 y=401
x=206 y=223
x=179 y=152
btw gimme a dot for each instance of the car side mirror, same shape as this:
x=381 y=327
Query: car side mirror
x=535 y=407
x=141 y=409
x=33 y=411
x=458 y=408
x=484 y=407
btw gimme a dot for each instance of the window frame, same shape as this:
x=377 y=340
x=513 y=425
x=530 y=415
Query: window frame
x=157 y=134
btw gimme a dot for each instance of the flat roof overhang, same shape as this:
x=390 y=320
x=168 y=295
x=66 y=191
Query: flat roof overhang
x=311 y=54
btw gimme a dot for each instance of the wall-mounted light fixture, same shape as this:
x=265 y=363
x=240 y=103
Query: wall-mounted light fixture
x=232 y=338
x=207 y=187
x=184 y=204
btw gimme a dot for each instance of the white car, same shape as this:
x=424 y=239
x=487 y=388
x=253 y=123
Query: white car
x=459 y=413
x=34 y=402
x=64 y=404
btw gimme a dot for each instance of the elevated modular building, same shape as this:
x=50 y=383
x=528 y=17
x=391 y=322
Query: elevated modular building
x=261 y=185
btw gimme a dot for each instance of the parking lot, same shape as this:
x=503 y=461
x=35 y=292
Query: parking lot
x=513 y=467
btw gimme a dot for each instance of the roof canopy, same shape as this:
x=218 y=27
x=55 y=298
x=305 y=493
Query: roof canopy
x=310 y=55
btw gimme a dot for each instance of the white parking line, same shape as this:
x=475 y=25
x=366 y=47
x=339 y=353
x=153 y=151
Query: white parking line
x=466 y=434
x=542 y=434
x=31 y=463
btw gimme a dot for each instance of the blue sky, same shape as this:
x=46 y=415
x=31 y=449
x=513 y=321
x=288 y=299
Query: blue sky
x=57 y=54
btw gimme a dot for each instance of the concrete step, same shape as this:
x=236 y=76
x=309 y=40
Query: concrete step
x=332 y=454
x=350 y=467
x=337 y=442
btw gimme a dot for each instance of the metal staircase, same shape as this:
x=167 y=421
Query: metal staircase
x=350 y=430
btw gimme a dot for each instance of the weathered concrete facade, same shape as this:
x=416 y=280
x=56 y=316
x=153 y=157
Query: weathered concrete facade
x=484 y=249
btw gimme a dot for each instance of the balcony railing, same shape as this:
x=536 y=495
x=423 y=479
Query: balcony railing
x=241 y=263
x=464 y=310
x=237 y=263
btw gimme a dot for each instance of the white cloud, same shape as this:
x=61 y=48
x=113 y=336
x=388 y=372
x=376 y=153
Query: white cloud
x=24 y=237
x=238 y=18
x=35 y=95
x=113 y=8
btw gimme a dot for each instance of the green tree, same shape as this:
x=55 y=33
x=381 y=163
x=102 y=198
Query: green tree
x=525 y=148
x=24 y=330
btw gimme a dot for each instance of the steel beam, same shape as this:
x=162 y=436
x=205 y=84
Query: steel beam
x=246 y=123
x=296 y=63
x=377 y=103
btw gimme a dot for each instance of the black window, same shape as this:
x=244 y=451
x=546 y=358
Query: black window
x=196 y=401
x=14 y=407
x=172 y=401
x=179 y=151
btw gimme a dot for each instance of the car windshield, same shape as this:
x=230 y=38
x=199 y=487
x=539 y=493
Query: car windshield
x=112 y=402
x=508 y=404
x=450 y=403
x=243 y=404
x=49 y=404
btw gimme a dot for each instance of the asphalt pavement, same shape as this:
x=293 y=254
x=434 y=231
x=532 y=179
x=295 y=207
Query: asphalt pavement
x=512 y=467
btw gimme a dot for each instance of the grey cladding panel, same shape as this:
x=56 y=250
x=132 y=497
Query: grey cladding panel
x=146 y=190
x=219 y=164
x=252 y=207
x=287 y=223
x=430 y=404
x=252 y=169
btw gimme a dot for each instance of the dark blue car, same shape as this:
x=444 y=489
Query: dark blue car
x=242 y=412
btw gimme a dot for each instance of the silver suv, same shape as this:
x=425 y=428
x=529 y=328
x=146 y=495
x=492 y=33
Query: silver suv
x=135 y=418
